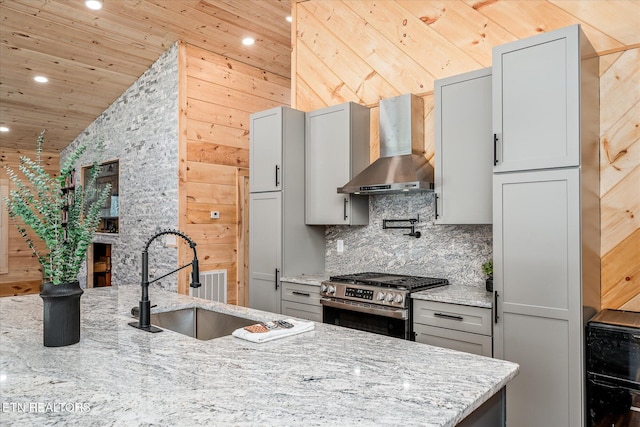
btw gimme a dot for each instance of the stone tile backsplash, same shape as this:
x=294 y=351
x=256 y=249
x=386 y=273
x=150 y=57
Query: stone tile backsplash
x=455 y=252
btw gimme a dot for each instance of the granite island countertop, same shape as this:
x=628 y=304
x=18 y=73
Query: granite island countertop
x=119 y=375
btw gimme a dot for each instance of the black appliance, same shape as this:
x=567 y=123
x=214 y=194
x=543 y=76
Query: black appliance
x=373 y=302
x=613 y=369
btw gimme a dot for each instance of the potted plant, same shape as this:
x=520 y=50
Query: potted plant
x=487 y=269
x=64 y=216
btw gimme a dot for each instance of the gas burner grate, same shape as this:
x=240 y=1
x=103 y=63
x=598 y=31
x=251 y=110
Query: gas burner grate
x=398 y=281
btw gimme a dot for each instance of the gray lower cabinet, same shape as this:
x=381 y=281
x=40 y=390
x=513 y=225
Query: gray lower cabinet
x=454 y=326
x=337 y=149
x=265 y=250
x=463 y=149
x=539 y=290
x=302 y=301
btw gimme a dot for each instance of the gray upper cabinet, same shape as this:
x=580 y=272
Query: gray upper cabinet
x=536 y=94
x=546 y=222
x=337 y=148
x=279 y=241
x=463 y=149
x=265 y=157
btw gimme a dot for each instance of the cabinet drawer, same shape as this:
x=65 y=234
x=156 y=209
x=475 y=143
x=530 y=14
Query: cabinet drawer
x=455 y=340
x=302 y=311
x=463 y=318
x=298 y=292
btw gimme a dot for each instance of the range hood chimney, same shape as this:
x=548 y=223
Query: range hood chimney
x=402 y=166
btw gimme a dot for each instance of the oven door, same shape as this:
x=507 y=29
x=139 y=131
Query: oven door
x=364 y=317
x=614 y=351
x=611 y=402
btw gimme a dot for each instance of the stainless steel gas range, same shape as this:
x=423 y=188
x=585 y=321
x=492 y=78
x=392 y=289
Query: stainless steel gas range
x=373 y=302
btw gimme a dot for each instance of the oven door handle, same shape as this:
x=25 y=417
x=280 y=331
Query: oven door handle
x=610 y=383
x=385 y=312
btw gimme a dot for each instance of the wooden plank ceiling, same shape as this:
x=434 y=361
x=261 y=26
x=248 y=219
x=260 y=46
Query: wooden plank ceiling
x=91 y=57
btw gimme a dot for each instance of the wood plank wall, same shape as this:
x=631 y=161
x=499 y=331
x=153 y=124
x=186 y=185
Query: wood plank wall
x=217 y=96
x=620 y=178
x=24 y=275
x=366 y=50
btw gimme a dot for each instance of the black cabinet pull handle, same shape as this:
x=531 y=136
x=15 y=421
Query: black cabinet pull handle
x=448 y=316
x=436 y=196
x=495 y=149
x=304 y=294
x=345 y=208
x=277 y=273
x=495 y=307
x=277 y=175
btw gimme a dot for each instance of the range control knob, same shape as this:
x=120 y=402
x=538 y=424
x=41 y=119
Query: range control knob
x=323 y=288
x=398 y=298
x=380 y=296
x=331 y=289
x=389 y=297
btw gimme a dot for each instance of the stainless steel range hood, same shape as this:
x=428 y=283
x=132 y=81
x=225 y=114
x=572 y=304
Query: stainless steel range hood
x=399 y=168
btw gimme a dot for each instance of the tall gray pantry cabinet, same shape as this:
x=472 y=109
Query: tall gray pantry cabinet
x=279 y=241
x=546 y=229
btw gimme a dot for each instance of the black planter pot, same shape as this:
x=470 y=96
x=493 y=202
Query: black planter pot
x=489 y=285
x=61 y=317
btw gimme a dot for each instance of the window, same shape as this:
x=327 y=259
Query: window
x=109 y=174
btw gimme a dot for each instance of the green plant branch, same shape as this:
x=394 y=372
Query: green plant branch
x=487 y=268
x=40 y=206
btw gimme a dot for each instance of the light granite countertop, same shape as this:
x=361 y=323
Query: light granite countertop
x=119 y=375
x=453 y=294
x=457 y=294
x=306 y=279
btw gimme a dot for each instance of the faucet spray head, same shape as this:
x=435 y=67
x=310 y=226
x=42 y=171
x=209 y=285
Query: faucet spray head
x=195 y=274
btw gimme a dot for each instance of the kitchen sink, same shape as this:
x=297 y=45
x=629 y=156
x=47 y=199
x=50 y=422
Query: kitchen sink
x=200 y=323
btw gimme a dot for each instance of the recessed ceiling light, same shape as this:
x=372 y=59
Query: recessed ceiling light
x=289 y=19
x=248 y=41
x=4 y=129
x=93 y=4
x=41 y=79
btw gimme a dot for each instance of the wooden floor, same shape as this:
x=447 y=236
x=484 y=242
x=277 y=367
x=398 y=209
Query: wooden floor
x=20 y=288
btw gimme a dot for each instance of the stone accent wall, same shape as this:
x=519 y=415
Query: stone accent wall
x=454 y=252
x=140 y=129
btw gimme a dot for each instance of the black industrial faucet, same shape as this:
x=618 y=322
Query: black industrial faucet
x=144 y=321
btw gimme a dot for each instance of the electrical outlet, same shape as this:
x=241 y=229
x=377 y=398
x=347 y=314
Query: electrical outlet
x=215 y=214
x=340 y=247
